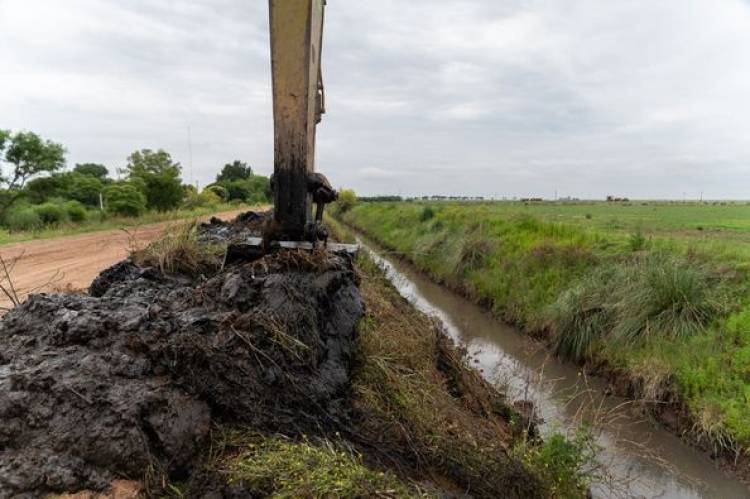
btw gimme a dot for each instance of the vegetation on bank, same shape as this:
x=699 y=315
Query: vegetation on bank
x=422 y=422
x=38 y=193
x=671 y=311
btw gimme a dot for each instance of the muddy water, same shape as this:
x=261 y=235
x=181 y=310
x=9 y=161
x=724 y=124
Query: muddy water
x=637 y=458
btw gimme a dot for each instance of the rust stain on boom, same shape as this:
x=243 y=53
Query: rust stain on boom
x=296 y=39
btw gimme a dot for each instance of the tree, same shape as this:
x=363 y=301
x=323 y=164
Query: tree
x=124 y=199
x=95 y=170
x=85 y=189
x=28 y=156
x=159 y=176
x=235 y=171
x=237 y=190
x=42 y=189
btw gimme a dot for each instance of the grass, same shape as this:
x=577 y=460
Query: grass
x=420 y=400
x=179 y=251
x=95 y=224
x=629 y=285
x=422 y=423
x=285 y=469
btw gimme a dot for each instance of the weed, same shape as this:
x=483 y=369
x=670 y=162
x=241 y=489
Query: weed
x=581 y=317
x=563 y=462
x=475 y=252
x=665 y=298
x=637 y=241
x=281 y=468
x=428 y=213
x=179 y=251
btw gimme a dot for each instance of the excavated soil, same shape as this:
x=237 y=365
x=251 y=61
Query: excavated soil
x=100 y=387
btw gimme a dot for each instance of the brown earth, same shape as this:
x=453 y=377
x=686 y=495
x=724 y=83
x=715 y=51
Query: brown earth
x=72 y=262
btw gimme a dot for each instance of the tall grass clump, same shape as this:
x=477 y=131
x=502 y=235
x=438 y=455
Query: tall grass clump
x=475 y=252
x=179 y=251
x=584 y=314
x=428 y=213
x=637 y=241
x=666 y=298
x=629 y=302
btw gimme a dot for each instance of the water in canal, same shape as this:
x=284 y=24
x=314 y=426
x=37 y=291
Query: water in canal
x=642 y=460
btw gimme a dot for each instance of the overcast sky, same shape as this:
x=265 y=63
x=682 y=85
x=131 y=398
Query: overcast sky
x=638 y=98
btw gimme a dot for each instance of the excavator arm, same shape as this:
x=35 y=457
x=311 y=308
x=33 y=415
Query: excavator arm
x=298 y=104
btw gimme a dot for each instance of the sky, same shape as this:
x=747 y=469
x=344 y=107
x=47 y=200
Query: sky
x=495 y=98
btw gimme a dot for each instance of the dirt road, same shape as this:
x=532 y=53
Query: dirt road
x=72 y=262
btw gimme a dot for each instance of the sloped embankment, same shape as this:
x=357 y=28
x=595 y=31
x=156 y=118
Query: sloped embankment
x=248 y=379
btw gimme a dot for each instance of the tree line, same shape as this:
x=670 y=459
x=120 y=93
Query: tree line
x=37 y=190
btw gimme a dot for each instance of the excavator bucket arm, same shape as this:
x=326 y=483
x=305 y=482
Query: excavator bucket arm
x=298 y=103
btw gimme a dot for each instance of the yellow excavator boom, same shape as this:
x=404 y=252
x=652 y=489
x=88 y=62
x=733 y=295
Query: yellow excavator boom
x=298 y=103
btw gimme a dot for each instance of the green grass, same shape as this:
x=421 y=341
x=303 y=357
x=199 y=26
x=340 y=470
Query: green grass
x=638 y=286
x=285 y=469
x=97 y=223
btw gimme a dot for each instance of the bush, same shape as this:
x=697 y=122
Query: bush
x=428 y=213
x=637 y=241
x=205 y=199
x=23 y=219
x=220 y=191
x=76 y=211
x=124 y=200
x=347 y=200
x=237 y=189
x=51 y=213
x=566 y=464
x=85 y=189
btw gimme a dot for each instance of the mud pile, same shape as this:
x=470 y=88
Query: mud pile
x=99 y=387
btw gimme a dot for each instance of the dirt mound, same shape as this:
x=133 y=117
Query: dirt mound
x=102 y=387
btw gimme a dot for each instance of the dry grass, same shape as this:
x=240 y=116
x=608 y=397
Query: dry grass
x=419 y=401
x=178 y=251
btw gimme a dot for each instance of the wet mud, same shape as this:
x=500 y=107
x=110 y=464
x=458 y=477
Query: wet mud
x=132 y=377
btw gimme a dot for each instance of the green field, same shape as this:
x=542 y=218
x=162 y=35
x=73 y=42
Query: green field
x=657 y=291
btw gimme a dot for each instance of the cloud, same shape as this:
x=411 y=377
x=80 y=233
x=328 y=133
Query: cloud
x=478 y=97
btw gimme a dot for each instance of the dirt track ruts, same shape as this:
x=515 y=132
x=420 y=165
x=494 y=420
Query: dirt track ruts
x=72 y=262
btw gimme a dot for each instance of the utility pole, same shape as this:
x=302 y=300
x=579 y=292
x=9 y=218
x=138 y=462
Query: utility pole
x=190 y=153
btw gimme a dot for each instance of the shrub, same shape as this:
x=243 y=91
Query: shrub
x=51 y=213
x=428 y=213
x=220 y=191
x=637 y=241
x=205 y=199
x=23 y=219
x=347 y=200
x=76 y=211
x=567 y=465
x=125 y=200
x=85 y=189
